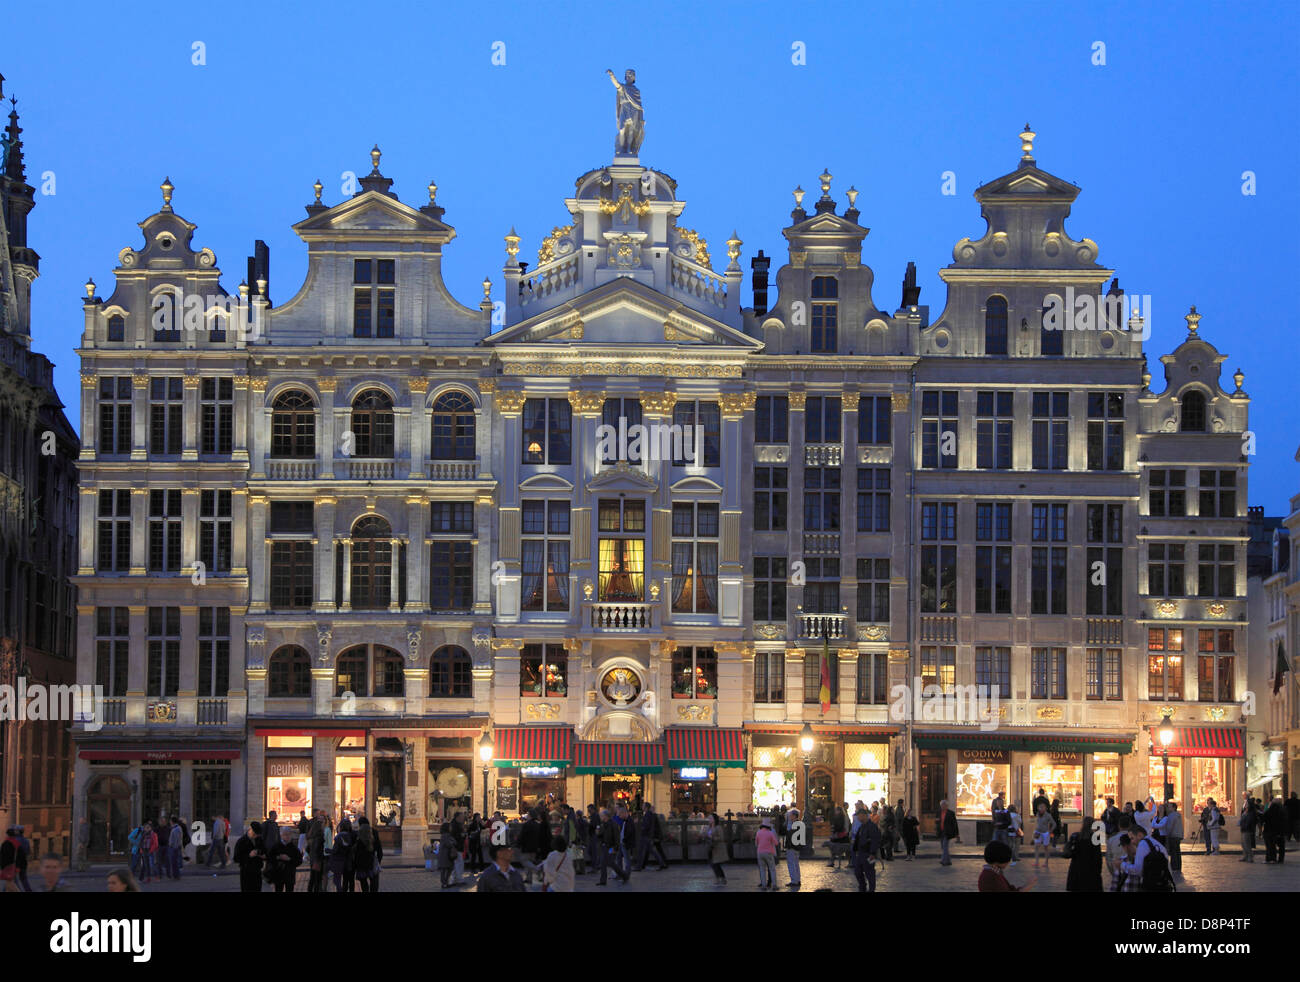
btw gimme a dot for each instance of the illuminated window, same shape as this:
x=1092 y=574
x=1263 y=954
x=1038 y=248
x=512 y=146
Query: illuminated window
x=1165 y=663
x=543 y=670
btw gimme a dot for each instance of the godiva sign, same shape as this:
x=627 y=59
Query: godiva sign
x=983 y=756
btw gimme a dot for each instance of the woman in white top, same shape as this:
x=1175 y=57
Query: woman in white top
x=557 y=868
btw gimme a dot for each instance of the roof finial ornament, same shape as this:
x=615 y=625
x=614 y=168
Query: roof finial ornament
x=1027 y=144
x=512 y=244
x=167 y=188
x=1239 y=376
x=852 y=192
x=798 y=193
x=733 y=250
x=433 y=191
x=826 y=179
x=90 y=292
x=318 y=187
x=1193 y=319
x=374 y=159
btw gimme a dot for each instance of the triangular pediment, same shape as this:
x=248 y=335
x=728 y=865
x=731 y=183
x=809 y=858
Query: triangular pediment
x=1028 y=181
x=372 y=211
x=623 y=313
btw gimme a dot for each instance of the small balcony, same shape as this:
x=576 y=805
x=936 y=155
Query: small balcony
x=291 y=469
x=832 y=626
x=211 y=712
x=364 y=468
x=821 y=543
x=452 y=470
x=822 y=454
x=625 y=617
x=114 y=712
x=939 y=629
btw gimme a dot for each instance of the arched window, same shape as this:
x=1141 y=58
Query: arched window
x=290 y=672
x=372 y=424
x=1193 y=412
x=350 y=673
x=450 y=673
x=388 y=673
x=995 y=325
x=117 y=328
x=453 y=427
x=372 y=564
x=293 y=425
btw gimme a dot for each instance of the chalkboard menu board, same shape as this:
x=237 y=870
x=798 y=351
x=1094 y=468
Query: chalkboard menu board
x=507 y=794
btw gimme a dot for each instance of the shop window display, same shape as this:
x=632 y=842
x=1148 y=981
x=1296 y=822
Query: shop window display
x=288 y=785
x=866 y=772
x=1105 y=781
x=1061 y=776
x=1156 y=783
x=981 y=774
x=1212 y=778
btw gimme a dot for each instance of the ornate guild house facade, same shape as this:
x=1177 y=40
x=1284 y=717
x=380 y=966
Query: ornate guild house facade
x=634 y=536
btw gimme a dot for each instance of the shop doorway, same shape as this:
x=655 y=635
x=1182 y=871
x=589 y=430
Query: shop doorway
x=933 y=774
x=613 y=790
x=821 y=796
x=108 y=813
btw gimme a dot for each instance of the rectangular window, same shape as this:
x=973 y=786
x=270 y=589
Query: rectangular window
x=821 y=592
x=705 y=415
x=993 y=521
x=112 y=649
x=1165 y=663
x=812 y=676
x=993 y=579
x=374 y=309
x=166 y=415
x=1105 y=579
x=825 y=315
x=1167 y=493
x=114 y=532
x=452 y=575
x=772 y=419
x=216 y=415
x=544 y=670
x=1216 y=571
x=939 y=579
x=769 y=677
x=1102 y=667
x=939 y=428
x=1048 y=581
x=215 y=530
x=164 y=530
x=873 y=499
x=875 y=420
x=545 y=566
x=771 y=498
x=115 y=437
x=1165 y=576
x=1105 y=431
x=939 y=667
x=620 y=415
x=695 y=673
x=1218 y=494
x=213 y=676
x=873 y=591
x=548 y=431
x=1215 y=649
x=1047 y=674
x=452 y=516
x=292 y=574
x=770 y=580
x=164 y=647
x=821 y=419
x=821 y=499
x=994 y=417
x=292 y=518
x=993 y=669
x=873 y=678
x=622 y=554
x=1051 y=429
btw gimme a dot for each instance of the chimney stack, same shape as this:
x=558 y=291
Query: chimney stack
x=259 y=268
x=760 y=264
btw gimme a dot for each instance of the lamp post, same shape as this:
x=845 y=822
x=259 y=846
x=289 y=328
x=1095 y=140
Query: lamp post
x=485 y=757
x=806 y=743
x=1166 y=734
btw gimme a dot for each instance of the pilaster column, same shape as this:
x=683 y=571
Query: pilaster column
x=657 y=410
x=257 y=578
x=510 y=406
x=731 y=569
x=419 y=426
x=323 y=543
x=139 y=530
x=326 y=441
x=394 y=579
x=482 y=547
x=347 y=573
x=417 y=554
x=849 y=435
x=86 y=538
x=140 y=416
x=251 y=412
x=483 y=427
x=239 y=520
x=89 y=415
x=190 y=529
x=190 y=410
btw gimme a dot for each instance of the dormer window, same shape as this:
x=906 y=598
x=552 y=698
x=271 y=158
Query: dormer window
x=374 y=308
x=825 y=314
x=117 y=328
x=995 y=325
x=1193 y=420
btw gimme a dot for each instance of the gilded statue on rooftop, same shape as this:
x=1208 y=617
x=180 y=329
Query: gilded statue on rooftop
x=627 y=110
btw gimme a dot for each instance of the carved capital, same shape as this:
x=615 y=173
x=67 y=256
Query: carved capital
x=658 y=403
x=327 y=384
x=89 y=378
x=900 y=402
x=192 y=380
x=258 y=384
x=850 y=399
x=798 y=400
x=241 y=381
x=510 y=403
x=140 y=380
x=417 y=384
x=736 y=403
x=587 y=403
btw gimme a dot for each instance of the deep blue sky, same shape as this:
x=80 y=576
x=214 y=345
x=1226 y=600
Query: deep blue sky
x=1191 y=95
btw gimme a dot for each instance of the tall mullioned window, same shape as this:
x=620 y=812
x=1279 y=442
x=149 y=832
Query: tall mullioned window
x=164 y=530
x=166 y=415
x=995 y=325
x=374 y=304
x=695 y=558
x=164 y=651
x=548 y=431
x=994 y=423
x=825 y=319
x=1105 y=431
x=216 y=415
x=452 y=427
x=545 y=565
x=1051 y=430
x=114 y=433
x=114 y=541
x=939 y=428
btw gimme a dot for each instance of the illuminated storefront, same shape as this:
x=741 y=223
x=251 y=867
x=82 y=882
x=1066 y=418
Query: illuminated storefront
x=848 y=762
x=1107 y=781
x=1060 y=774
x=537 y=758
x=694 y=789
x=1204 y=762
x=866 y=773
x=621 y=769
x=694 y=755
x=288 y=785
x=981 y=776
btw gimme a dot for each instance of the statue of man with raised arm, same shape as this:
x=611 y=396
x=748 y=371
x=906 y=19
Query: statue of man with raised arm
x=627 y=109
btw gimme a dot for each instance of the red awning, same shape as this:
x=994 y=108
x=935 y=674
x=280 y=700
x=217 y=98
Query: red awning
x=161 y=753
x=1202 y=741
x=532 y=746
x=618 y=757
x=704 y=746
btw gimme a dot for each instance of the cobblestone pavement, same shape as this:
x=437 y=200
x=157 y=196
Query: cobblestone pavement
x=1201 y=874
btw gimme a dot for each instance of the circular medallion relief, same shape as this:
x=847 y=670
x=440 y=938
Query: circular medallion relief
x=620 y=685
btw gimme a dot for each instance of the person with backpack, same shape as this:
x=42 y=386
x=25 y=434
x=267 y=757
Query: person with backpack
x=1084 y=875
x=1148 y=869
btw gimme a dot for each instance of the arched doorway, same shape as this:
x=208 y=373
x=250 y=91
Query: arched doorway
x=108 y=813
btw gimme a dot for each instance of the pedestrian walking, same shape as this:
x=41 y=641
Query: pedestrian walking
x=993 y=877
x=1015 y=833
x=342 y=861
x=765 y=842
x=610 y=855
x=1292 y=808
x=650 y=836
x=364 y=855
x=217 y=848
x=121 y=881
x=446 y=855
x=250 y=857
x=1205 y=825
x=1044 y=826
x=946 y=826
x=1001 y=820
x=314 y=856
x=1084 y=874
x=1275 y=830
x=865 y=845
x=1213 y=823
x=270 y=828
x=910 y=831
x=716 y=838
x=794 y=830
x=1170 y=827
x=501 y=876
x=557 y=867
x=24 y=856
x=839 y=836
x=175 y=843
x=888 y=832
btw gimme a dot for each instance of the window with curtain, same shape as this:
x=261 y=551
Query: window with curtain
x=548 y=431
x=695 y=558
x=769 y=676
x=621 y=415
x=622 y=550
x=688 y=415
x=545 y=544
x=812 y=676
x=1165 y=663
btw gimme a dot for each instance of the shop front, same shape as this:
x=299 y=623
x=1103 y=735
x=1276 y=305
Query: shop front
x=694 y=756
x=1059 y=774
x=621 y=770
x=532 y=766
x=1204 y=762
x=123 y=784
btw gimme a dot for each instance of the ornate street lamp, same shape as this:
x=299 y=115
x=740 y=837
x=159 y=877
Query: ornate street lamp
x=485 y=750
x=1166 y=735
x=806 y=743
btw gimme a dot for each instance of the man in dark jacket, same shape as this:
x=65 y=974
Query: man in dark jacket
x=1293 y=815
x=284 y=858
x=866 y=850
x=531 y=841
x=649 y=837
x=1084 y=875
x=1110 y=818
x=270 y=829
x=948 y=831
x=609 y=849
x=1275 y=831
x=1247 y=826
x=500 y=877
x=315 y=857
x=250 y=856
